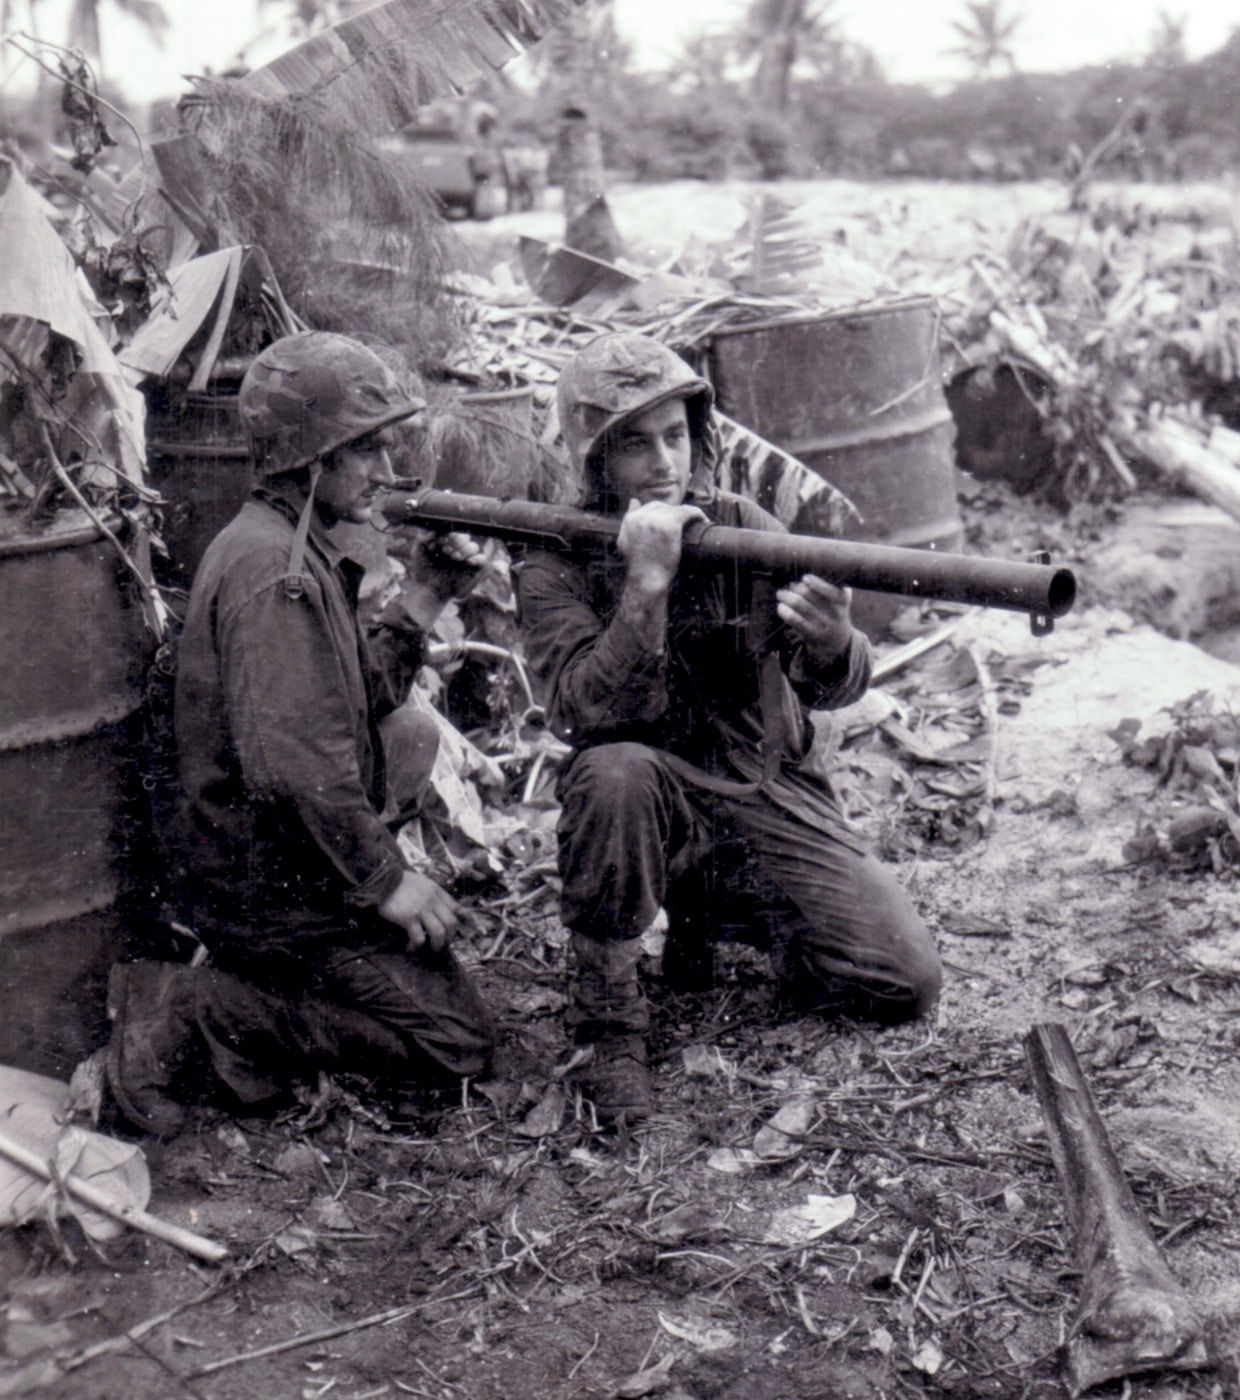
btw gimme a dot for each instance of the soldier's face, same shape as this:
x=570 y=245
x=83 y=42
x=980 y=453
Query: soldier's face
x=650 y=457
x=356 y=475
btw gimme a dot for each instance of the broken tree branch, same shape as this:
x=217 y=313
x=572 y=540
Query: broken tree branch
x=1184 y=455
x=153 y=608
x=326 y=1334
x=98 y=1200
x=1133 y=1314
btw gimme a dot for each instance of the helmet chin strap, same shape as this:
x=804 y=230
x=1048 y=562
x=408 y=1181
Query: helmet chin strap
x=295 y=579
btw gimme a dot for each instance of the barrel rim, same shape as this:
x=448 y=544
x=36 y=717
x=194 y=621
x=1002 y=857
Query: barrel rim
x=14 y=546
x=843 y=313
x=60 y=909
x=1061 y=592
x=24 y=734
x=223 y=450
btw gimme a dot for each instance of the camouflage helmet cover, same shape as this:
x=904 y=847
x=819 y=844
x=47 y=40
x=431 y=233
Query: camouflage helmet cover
x=307 y=394
x=617 y=376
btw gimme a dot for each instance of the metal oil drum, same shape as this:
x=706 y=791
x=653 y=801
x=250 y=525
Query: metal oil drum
x=74 y=649
x=857 y=396
x=199 y=462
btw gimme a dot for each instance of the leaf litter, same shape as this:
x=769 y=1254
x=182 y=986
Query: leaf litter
x=501 y=1246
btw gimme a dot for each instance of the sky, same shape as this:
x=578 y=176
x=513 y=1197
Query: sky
x=909 y=37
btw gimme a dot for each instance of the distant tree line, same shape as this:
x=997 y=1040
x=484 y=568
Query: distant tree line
x=788 y=95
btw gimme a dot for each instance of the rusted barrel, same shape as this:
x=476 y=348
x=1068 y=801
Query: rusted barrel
x=858 y=397
x=73 y=651
x=199 y=461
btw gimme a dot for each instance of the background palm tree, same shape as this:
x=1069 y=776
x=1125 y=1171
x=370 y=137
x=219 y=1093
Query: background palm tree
x=987 y=36
x=306 y=17
x=1167 y=45
x=781 y=32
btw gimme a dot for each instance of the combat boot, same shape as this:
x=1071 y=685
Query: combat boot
x=610 y=1016
x=154 y=1033
x=616 y=1080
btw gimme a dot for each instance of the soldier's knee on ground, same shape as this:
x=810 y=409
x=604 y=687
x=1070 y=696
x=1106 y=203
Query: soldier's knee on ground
x=427 y=999
x=154 y=1055
x=883 y=966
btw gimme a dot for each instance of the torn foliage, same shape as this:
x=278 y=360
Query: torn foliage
x=79 y=101
x=58 y=374
x=913 y=762
x=1196 y=824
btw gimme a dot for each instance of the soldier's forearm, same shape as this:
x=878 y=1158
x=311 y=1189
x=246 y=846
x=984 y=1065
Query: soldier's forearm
x=643 y=605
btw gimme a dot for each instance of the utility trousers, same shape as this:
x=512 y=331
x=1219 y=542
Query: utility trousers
x=636 y=836
x=258 y=1020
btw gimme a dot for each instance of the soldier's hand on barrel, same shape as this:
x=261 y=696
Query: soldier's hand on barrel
x=462 y=548
x=451 y=563
x=650 y=539
x=819 y=613
x=426 y=912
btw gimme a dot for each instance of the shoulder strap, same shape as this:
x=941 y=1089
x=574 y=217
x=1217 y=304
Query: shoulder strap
x=295 y=579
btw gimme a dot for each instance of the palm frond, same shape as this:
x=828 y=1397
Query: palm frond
x=779 y=250
x=286 y=158
x=328 y=207
x=377 y=67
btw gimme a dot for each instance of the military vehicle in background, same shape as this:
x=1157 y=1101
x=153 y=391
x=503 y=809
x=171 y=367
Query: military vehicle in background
x=454 y=148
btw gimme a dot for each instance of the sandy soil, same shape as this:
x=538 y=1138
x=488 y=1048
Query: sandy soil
x=913 y=232
x=506 y=1250
x=511 y=1251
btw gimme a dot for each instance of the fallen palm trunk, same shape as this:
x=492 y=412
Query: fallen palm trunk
x=1188 y=457
x=1133 y=1315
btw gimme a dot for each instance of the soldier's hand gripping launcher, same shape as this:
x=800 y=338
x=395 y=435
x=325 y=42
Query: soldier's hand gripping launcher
x=1041 y=590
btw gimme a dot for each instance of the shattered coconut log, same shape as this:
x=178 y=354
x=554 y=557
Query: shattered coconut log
x=1205 y=463
x=1133 y=1315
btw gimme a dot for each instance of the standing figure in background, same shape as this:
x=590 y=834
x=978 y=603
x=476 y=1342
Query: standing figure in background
x=684 y=695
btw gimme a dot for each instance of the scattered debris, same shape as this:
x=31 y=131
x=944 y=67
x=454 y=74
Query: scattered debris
x=925 y=1239
x=1195 y=763
x=798 y=1225
x=51 y=1167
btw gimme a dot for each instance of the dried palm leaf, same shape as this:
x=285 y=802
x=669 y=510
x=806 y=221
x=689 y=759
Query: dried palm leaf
x=779 y=252
x=377 y=67
x=290 y=162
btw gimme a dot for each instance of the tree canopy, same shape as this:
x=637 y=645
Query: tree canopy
x=785 y=91
x=986 y=36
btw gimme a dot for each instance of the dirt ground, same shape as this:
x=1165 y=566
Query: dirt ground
x=507 y=1250
x=906 y=1234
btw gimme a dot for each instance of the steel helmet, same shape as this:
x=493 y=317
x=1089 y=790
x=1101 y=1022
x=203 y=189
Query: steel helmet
x=617 y=376
x=307 y=394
